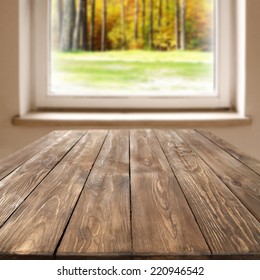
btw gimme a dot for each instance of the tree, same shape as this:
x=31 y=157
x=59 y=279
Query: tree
x=143 y=18
x=92 y=25
x=136 y=20
x=81 y=9
x=67 y=25
x=199 y=25
x=151 y=26
x=104 y=26
x=183 y=25
x=160 y=14
x=177 y=24
x=123 y=24
x=167 y=13
x=123 y=34
x=84 y=25
x=60 y=18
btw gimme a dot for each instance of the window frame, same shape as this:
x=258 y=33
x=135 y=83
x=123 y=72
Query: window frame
x=225 y=67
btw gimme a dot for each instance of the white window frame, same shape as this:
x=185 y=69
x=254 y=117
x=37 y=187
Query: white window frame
x=225 y=60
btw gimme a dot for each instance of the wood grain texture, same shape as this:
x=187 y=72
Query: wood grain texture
x=19 y=184
x=233 y=151
x=162 y=222
x=100 y=224
x=37 y=226
x=137 y=194
x=227 y=225
x=10 y=163
x=241 y=180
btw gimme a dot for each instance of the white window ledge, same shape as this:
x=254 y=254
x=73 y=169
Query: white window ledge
x=132 y=119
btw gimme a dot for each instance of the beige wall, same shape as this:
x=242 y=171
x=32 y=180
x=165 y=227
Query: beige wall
x=248 y=138
x=13 y=138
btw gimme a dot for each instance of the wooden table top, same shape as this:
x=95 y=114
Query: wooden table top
x=143 y=194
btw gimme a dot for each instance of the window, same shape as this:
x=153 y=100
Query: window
x=209 y=91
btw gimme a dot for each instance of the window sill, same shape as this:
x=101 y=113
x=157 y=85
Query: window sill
x=132 y=120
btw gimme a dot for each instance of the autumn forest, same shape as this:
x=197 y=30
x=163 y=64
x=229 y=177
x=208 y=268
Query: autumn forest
x=100 y=25
x=132 y=47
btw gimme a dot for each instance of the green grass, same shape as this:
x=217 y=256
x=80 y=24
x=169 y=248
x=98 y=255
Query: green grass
x=128 y=71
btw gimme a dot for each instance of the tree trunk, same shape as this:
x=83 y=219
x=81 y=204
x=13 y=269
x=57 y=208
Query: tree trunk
x=60 y=18
x=84 y=25
x=78 y=25
x=151 y=26
x=68 y=25
x=92 y=26
x=143 y=18
x=136 y=20
x=177 y=24
x=104 y=26
x=183 y=25
x=160 y=14
x=167 y=13
x=123 y=44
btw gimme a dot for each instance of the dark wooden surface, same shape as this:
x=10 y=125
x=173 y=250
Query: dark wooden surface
x=130 y=194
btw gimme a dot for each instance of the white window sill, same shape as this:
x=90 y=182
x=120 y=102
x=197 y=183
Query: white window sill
x=132 y=119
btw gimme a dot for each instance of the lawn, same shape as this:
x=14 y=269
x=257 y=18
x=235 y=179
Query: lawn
x=132 y=72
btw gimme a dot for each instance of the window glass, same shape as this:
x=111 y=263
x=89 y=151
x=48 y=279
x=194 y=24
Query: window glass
x=132 y=47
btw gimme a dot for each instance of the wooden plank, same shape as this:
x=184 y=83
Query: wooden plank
x=37 y=226
x=162 y=222
x=18 y=185
x=241 y=180
x=10 y=163
x=227 y=225
x=100 y=224
x=233 y=151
